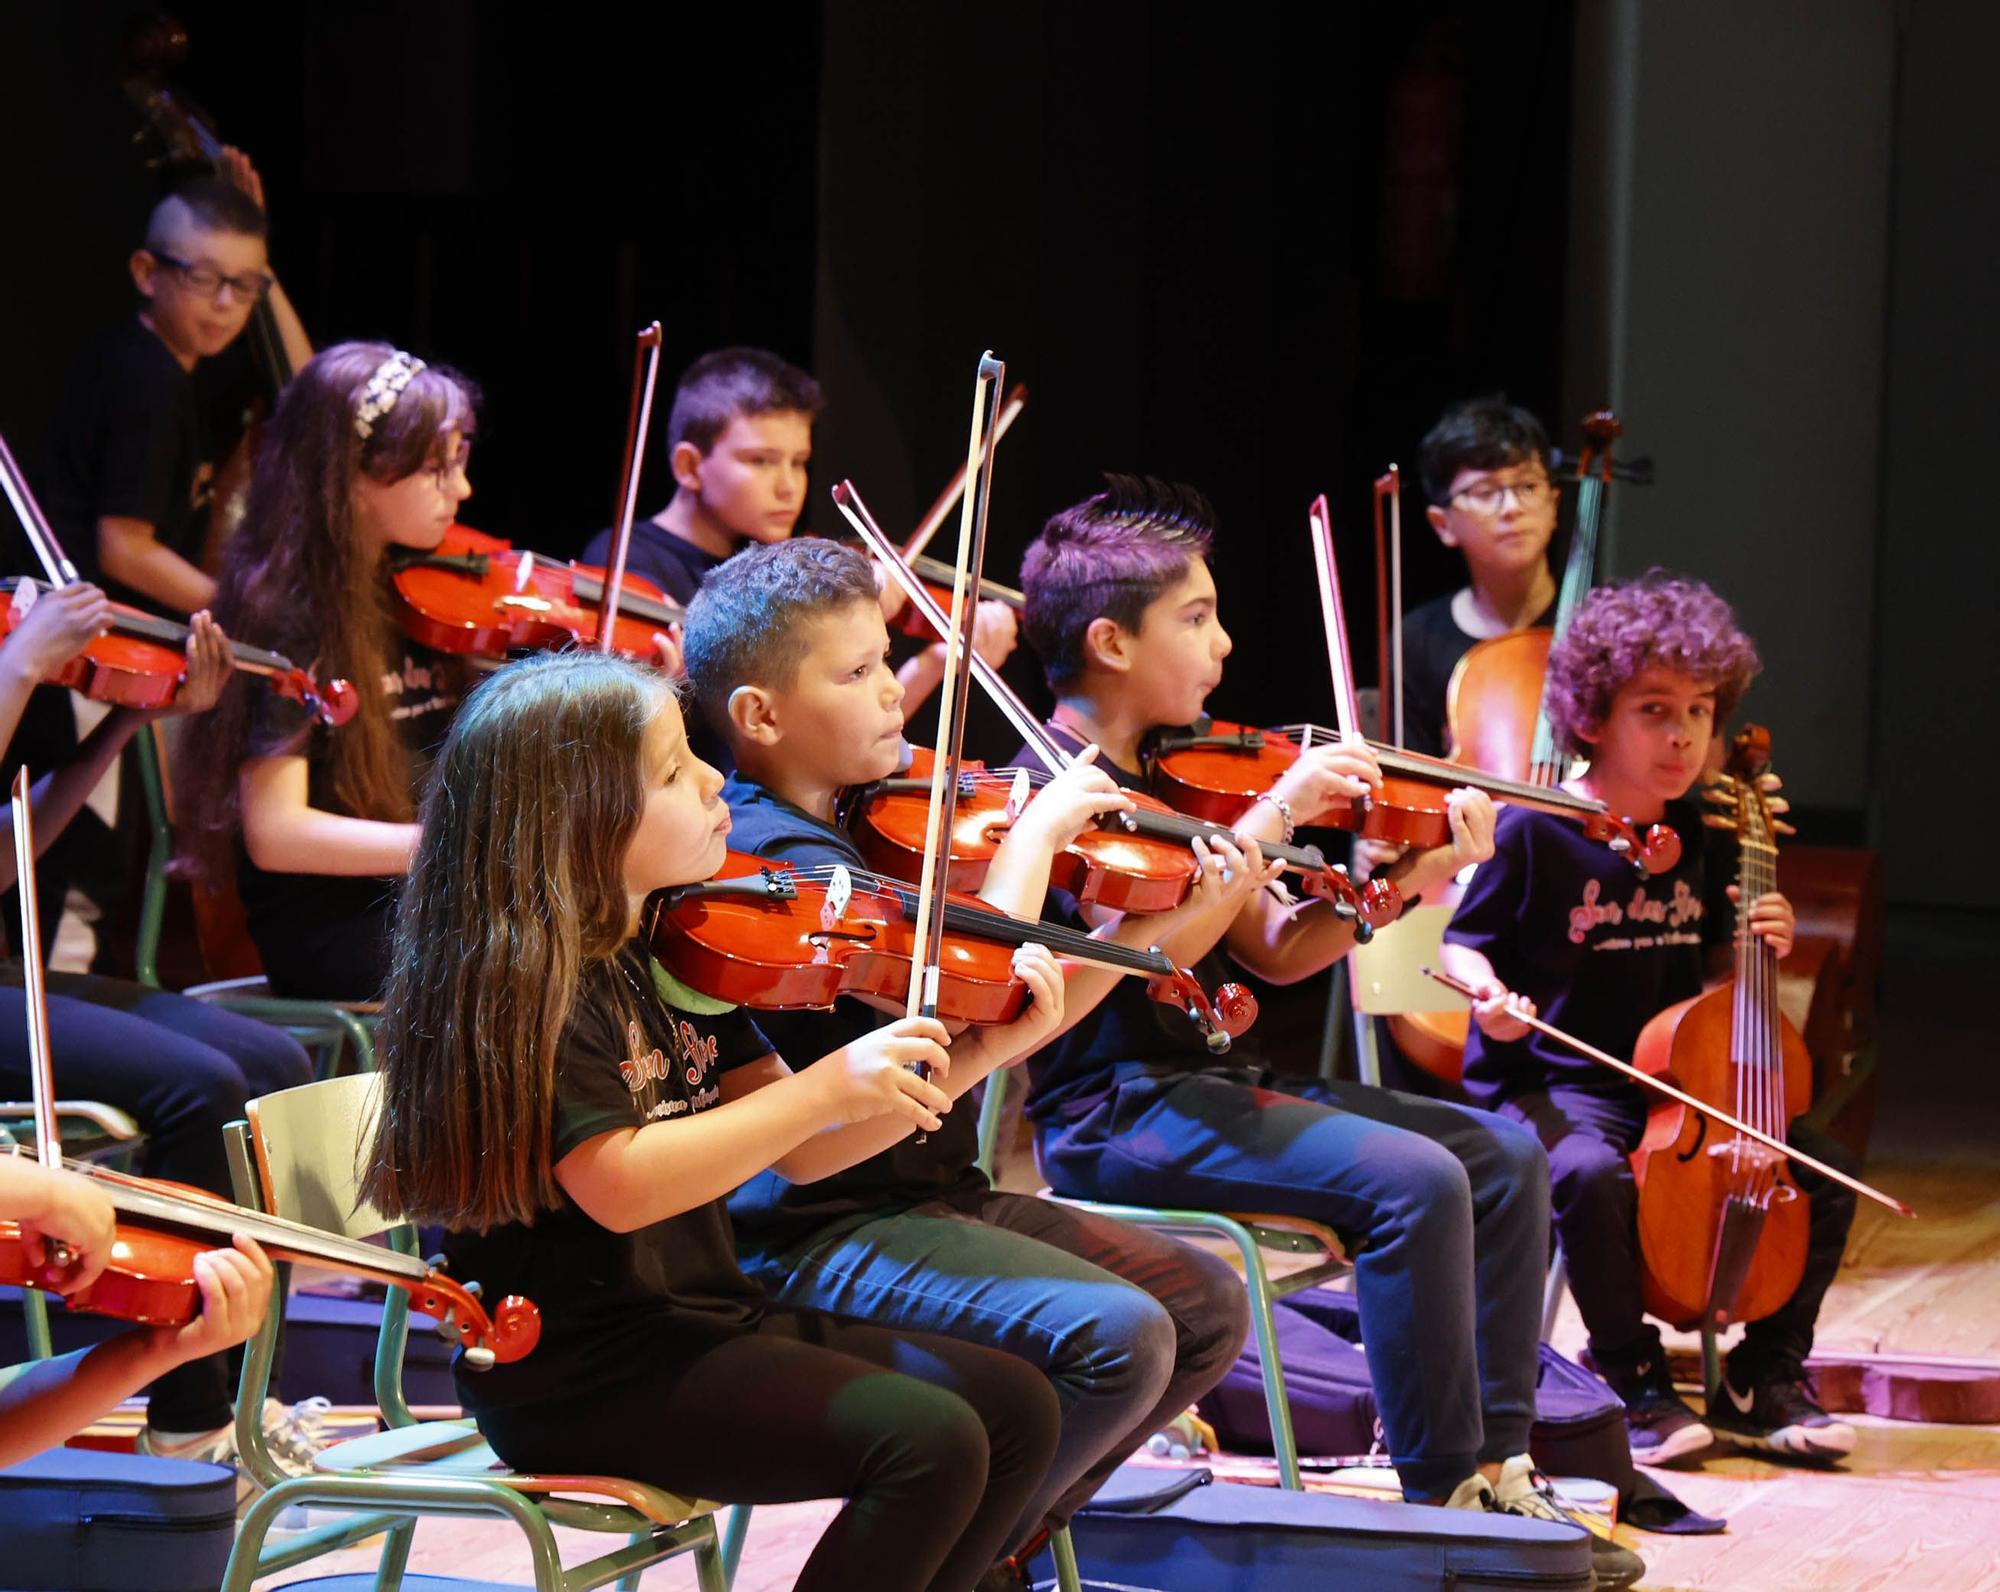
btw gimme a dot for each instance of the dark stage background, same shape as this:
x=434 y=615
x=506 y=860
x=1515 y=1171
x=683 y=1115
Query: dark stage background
x=1255 y=250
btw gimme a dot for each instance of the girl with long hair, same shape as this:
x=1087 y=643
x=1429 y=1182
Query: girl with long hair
x=574 y=1117
x=366 y=452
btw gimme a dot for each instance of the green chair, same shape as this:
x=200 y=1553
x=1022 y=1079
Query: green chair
x=296 y=1158
x=330 y=1029
x=1252 y=1236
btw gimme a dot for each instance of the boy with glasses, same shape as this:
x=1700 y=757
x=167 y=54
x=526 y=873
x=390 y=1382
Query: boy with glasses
x=128 y=480
x=1485 y=471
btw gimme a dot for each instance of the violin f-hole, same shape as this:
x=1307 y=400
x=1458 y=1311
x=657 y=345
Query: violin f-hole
x=1700 y=1138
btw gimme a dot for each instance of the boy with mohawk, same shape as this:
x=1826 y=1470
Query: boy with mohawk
x=1445 y=1209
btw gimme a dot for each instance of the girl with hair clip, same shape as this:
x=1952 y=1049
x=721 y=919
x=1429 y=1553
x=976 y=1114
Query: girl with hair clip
x=365 y=452
x=574 y=1117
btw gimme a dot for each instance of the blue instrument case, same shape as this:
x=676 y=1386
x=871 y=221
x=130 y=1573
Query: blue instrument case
x=84 y=1520
x=1161 y=1530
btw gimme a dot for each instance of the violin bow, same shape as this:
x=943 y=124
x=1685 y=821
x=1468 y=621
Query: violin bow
x=1026 y=725
x=952 y=697
x=645 y=374
x=1389 y=598
x=954 y=489
x=55 y=562
x=41 y=1083
x=1660 y=1086
x=1346 y=712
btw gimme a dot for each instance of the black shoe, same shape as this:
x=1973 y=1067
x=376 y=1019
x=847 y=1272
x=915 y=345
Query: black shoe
x=1659 y=1425
x=1777 y=1414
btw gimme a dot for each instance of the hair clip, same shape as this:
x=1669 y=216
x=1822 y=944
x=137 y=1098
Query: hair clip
x=383 y=389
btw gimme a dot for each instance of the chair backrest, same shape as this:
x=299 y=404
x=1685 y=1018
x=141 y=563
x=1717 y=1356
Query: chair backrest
x=308 y=1143
x=1386 y=972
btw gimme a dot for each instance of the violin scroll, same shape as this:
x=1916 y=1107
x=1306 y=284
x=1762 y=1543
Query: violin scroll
x=333 y=704
x=1654 y=853
x=513 y=1329
x=1222 y=1017
x=1371 y=906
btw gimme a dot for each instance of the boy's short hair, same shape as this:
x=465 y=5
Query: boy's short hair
x=731 y=383
x=748 y=623
x=1479 y=434
x=1108 y=557
x=214 y=205
x=1658 y=621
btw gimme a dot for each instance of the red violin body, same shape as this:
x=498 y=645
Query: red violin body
x=478 y=595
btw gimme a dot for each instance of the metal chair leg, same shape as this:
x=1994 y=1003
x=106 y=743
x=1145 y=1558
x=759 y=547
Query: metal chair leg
x=1276 y=1405
x=732 y=1542
x=1553 y=1291
x=1064 y=1553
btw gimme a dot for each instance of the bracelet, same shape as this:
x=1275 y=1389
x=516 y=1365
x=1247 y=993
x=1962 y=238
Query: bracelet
x=1284 y=809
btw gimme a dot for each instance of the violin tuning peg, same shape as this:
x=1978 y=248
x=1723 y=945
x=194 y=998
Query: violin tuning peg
x=1719 y=793
x=1784 y=828
x=1717 y=821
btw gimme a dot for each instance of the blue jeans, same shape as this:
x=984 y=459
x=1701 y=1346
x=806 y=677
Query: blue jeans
x=1130 y=1326
x=1446 y=1209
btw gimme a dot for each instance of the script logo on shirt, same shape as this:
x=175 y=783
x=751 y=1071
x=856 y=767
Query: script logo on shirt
x=401 y=687
x=650 y=1066
x=1671 y=915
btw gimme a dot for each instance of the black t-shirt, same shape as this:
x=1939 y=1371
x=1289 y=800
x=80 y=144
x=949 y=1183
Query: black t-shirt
x=771 y=1213
x=612 y=1302
x=1600 y=948
x=1432 y=645
x=1128 y=1030
x=423 y=688
x=130 y=440
x=670 y=562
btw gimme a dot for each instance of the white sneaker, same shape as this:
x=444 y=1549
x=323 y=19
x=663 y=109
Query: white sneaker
x=215 y=1448
x=295 y=1435
x=1525 y=1491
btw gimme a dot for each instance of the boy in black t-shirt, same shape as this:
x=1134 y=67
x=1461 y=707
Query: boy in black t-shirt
x=1557 y=922
x=787 y=653
x=1445 y=1208
x=1485 y=473
x=128 y=478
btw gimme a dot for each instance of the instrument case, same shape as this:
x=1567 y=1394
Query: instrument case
x=1159 y=1530
x=83 y=1520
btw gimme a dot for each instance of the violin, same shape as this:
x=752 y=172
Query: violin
x=776 y=937
x=937 y=574
x=1138 y=861
x=1216 y=770
x=140 y=660
x=162 y=1226
x=480 y=596
x=477 y=595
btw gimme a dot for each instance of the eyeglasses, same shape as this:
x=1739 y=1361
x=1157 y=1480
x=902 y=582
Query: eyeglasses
x=1487 y=497
x=204 y=281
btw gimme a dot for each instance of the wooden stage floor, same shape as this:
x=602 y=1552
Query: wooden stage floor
x=1917 y=1509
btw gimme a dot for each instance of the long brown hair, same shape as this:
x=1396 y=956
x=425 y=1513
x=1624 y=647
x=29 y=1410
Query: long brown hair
x=296 y=578
x=514 y=908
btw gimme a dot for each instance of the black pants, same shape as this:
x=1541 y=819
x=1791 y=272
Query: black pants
x=182 y=1069
x=1589 y=1135
x=1447 y=1206
x=936 y=1445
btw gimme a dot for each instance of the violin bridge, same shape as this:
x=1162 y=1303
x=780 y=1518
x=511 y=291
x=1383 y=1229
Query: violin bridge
x=839 y=892
x=1018 y=794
